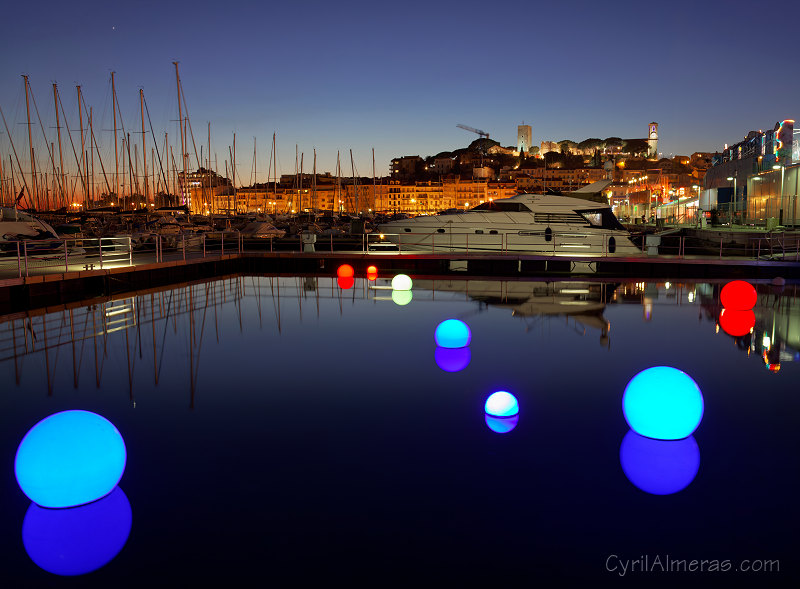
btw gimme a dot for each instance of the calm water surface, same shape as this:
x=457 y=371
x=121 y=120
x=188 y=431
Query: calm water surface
x=290 y=431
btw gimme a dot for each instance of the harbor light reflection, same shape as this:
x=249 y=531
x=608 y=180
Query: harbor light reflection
x=659 y=467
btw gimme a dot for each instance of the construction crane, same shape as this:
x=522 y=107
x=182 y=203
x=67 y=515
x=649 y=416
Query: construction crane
x=474 y=130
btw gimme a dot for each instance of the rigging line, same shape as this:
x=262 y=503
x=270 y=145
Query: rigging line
x=189 y=122
x=44 y=135
x=72 y=143
x=92 y=138
x=160 y=162
x=14 y=149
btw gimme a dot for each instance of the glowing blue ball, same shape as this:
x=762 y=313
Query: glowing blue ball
x=659 y=467
x=501 y=425
x=79 y=540
x=452 y=359
x=70 y=458
x=401 y=297
x=663 y=403
x=401 y=282
x=452 y=333
x=501 y=404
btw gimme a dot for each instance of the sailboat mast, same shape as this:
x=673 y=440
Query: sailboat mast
x=116 y=149
x=30 y=144
x=144 y=147
x=60 y=153
x=355 y=185
x=182 y=130
x=374 y=197
x=314 y=189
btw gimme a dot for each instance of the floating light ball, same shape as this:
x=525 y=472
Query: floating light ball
x=345 y=271
x=663 y=403
x=659 y=467
x=501 y=404
x=452 y=333
x=80 y=540
x=401 y=297
x=345 y=282
x=401 y=282
x=70 y=458
x=738 y=295
x=737 y=323
x=501 y=425
x=452 y=359
x=372 y=273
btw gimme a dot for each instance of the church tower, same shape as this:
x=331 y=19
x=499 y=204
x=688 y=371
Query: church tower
x=652 y=140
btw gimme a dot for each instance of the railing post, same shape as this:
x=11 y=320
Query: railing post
x=221 y=243
x=25 y=251
x=204 y=246
x=433 y=243
x=758 y=252
x=66 y=257
x=100 y=241
x=241 y=242
x=130 y=252
x=183 y=243
x=399 y=243
x=19 y=262
x=720 y=247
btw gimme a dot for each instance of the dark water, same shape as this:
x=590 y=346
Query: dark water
x=286 y=431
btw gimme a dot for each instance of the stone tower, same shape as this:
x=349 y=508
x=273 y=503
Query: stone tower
x=652 y=140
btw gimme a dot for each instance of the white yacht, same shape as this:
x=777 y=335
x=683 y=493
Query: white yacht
x=16 y=225
x=525 y=223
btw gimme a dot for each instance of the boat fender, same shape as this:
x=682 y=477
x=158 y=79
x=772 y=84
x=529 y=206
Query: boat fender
x=612 y=245
x=548 y=234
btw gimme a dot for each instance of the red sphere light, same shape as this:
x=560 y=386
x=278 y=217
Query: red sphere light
x=345 y=282
x=345 y=271
x=738 y=295
x=372 y=272
x=737 y=323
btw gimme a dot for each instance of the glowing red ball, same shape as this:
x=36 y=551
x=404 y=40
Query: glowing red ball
x=372 y=273
x=737 y=323
x=345 y=282
x=345 y=271
x=738 y=295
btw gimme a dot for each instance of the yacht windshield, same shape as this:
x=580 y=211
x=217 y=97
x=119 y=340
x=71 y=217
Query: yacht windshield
x=602 y=218
x=502 y=207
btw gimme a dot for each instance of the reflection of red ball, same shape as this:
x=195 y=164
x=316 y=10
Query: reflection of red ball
x=345 y=271
x=345 y=282
x=738 y=295
x=372 y=272
x=737 y=323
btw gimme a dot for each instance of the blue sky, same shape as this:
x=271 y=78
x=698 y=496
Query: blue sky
x=399 y=76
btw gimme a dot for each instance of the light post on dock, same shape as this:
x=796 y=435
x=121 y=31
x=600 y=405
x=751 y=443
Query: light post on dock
x=733 y=202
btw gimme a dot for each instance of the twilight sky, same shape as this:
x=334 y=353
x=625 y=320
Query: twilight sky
x=398 y=76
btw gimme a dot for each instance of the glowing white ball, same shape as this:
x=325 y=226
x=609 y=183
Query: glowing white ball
x=501 y=404
x=401 y=282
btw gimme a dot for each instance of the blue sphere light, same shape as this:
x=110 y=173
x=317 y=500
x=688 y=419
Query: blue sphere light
x=401 y=297
x=501 y=425
x=401 y=282
x=452 y=333
x=663 y=403
x=659 y=467
x=452 y=359
x=501 y=404
x=79 y=540
x=70 y=458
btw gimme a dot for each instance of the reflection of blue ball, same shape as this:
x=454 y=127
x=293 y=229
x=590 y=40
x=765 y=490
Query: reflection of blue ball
x=502 y=425
x=452 y=360
x=501 y=404
x=663 y=403
x=79 y=540
x=70 y=458
x=659 y=467
x=452 y=333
